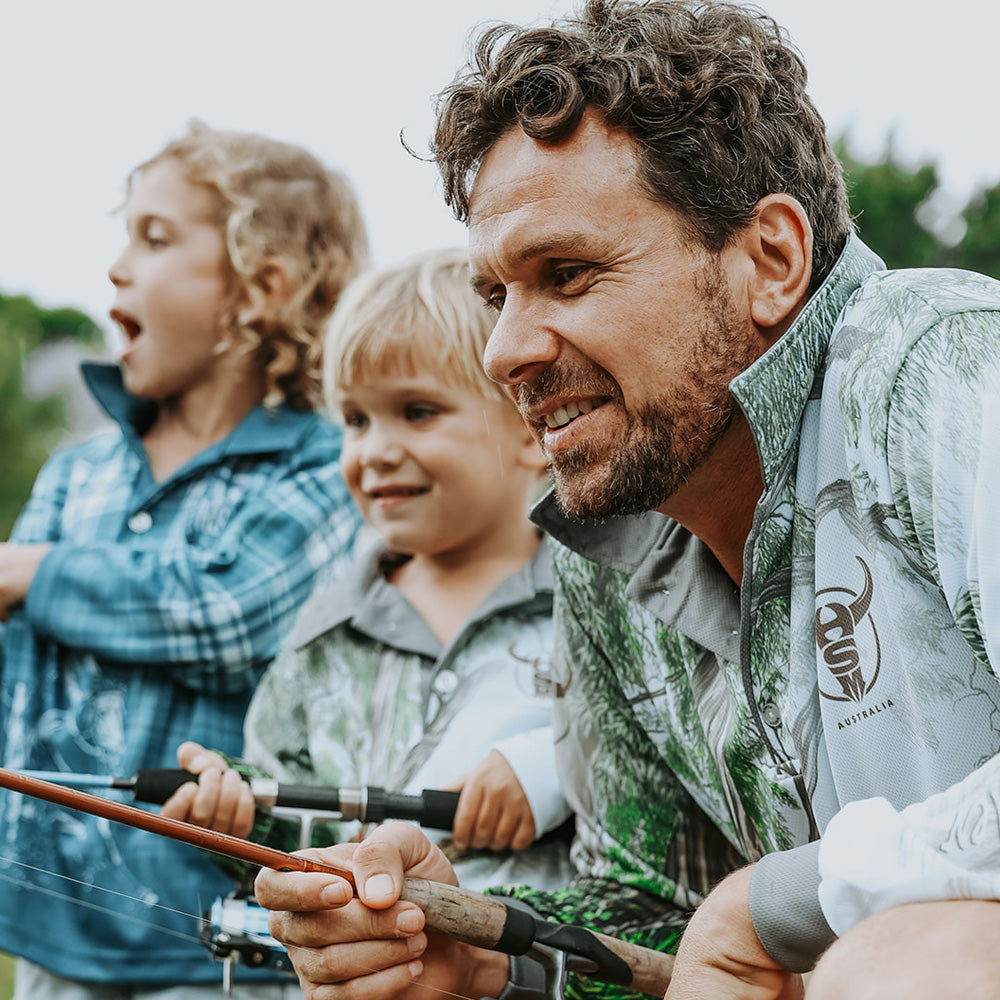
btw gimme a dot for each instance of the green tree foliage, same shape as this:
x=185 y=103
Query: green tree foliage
x=888 y=201
x=980 y=247
x=29 y=429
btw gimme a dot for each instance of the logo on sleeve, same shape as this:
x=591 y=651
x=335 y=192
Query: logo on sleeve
x=848 y=640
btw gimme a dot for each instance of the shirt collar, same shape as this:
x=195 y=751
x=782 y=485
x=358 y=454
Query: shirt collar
x=261 y=431
x=774 y=390
x=364 y=599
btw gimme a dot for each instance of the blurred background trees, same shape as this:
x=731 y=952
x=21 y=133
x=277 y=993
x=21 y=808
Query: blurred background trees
x=909 y=221
x=32 y=422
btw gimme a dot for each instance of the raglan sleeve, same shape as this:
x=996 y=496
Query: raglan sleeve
x=946 y=468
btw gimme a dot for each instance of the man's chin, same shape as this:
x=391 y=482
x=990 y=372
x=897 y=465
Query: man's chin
x=586 y=494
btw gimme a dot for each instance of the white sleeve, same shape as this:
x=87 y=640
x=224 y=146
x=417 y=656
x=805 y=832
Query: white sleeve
x=946 y=847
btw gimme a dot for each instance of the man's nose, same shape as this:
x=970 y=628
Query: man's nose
x=522 y=342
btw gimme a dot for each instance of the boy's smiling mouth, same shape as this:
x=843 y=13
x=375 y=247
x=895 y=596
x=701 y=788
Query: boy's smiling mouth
x=395 y=492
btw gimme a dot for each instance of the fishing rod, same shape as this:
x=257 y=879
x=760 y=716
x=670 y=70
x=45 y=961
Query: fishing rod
x=430 y=808
x=482 y=921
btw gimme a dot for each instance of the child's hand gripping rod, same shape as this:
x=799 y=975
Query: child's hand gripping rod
x=432 y=808
x=482 y=921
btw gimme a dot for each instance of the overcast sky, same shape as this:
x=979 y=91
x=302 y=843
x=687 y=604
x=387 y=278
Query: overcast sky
x=88 y=88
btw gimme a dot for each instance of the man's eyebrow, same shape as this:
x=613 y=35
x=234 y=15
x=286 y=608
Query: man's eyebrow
x=550 y=243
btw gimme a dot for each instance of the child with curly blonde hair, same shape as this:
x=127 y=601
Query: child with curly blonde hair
x=156 y=568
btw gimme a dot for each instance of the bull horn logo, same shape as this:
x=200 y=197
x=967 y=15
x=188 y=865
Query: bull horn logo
x=837 y=624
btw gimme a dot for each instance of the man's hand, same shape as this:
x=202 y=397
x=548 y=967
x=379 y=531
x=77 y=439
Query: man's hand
x=18 y=566
x=720 y=955
x=493 y=810
x=220 y=800
x=373 y=946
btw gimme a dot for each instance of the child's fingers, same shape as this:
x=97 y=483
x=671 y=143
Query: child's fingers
x=232 y=814
x=178 y=806
x=524 y=834
x=466 y=815
x=195 y=758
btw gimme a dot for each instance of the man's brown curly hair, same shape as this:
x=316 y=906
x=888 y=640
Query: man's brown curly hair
x=712 y=93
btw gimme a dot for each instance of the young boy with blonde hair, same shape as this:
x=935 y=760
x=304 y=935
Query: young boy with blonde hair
x=427 y=665
x=156 y=568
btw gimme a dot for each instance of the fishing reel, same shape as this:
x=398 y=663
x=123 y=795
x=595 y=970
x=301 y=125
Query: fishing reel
x=234 y=930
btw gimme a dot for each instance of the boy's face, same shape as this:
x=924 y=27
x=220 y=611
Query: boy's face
x=436 y=469
x=171 y=282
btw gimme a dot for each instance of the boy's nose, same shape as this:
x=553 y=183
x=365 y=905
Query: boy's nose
x=381 y=450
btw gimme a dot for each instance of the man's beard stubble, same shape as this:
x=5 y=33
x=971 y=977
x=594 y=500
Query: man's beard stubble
x=668 y=437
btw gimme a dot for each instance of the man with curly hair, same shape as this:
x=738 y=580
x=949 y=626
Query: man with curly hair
x=775 y=492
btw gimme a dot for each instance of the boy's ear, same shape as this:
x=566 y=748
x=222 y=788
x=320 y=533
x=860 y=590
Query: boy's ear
x=779 y=242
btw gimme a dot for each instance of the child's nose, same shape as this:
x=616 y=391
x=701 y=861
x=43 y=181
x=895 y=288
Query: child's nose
x=382 y=449
x=118 y=272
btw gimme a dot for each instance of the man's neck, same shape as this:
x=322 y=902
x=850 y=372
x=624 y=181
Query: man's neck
x=717 y=504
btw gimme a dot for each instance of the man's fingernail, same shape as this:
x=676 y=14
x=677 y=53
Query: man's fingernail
x=378 y=887
x=409 y=922
x=336 y=894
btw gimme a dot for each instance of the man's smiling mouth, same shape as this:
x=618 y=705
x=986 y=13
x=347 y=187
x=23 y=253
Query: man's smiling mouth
x=568 y=413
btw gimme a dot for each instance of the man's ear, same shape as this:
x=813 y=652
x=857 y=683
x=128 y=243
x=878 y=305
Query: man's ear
x=780 y=242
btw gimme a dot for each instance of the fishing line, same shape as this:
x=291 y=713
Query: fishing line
x=149 y=923
x=48 y=891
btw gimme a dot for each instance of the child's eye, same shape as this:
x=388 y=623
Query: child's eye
x=354 y=421
x=417 y=412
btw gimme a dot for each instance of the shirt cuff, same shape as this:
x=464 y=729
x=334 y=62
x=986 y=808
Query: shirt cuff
x=785 y=909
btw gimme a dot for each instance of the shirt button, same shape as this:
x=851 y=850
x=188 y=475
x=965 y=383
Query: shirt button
x=445 y=683
x=140 y=522
x=771 y=715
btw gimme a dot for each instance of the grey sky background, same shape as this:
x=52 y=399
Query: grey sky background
x=88 y=88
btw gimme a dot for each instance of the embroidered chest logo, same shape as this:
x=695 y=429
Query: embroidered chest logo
x=844 y=628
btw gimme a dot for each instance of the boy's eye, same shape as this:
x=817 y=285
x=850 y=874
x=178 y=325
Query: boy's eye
x=155 y=237
x=355 y=421
x=416 y=412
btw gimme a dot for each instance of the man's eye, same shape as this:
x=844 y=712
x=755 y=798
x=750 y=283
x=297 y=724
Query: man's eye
x=495 y=300
x=567 y=274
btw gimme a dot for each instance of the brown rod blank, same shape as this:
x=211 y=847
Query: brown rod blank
x=188 y=833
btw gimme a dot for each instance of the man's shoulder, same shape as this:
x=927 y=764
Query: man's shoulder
x=895 y=315
x=920 y=297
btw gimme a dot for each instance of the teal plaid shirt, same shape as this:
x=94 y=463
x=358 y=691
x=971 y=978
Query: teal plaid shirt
x=148 y=623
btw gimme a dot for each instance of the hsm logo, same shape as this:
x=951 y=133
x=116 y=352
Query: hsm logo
x=840 y=620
